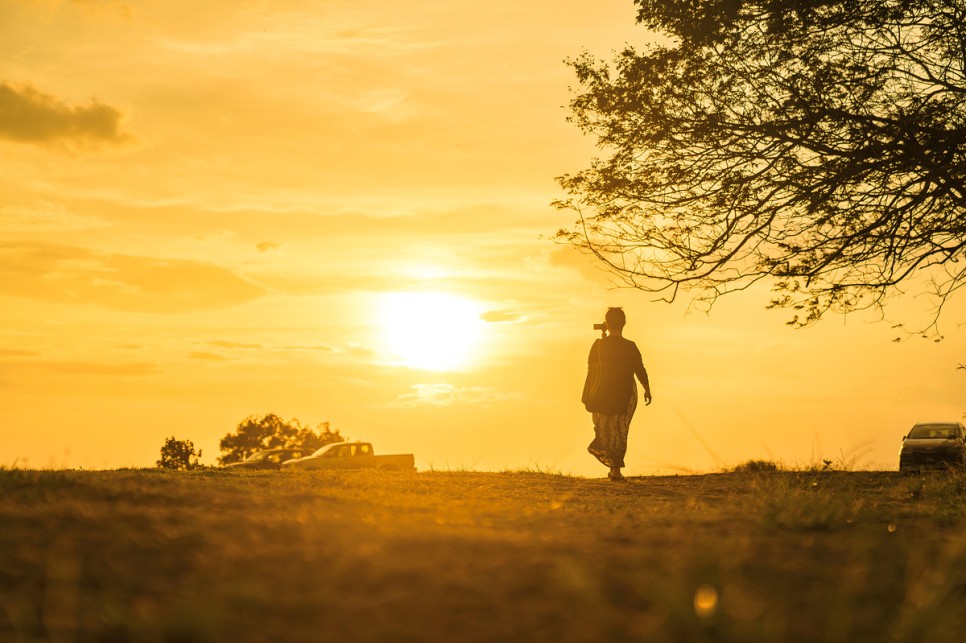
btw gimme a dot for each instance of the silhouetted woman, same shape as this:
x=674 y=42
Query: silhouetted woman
x=610 y=392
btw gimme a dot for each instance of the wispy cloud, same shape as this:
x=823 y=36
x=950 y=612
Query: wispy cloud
x=583 y=264
x=245 y=346
x=17 y=353
x=442 y=394
x=30 y=116
x=309 y=33
x=227 y=344
x=208 y=356
x=44 y=217
x=64 y=274
x=267 y=246
x=310 y=347
x=502 y=316
x=90 y=368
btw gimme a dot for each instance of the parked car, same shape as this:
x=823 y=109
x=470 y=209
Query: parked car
x=352 y=455
x=933 y=444
x=267 y=459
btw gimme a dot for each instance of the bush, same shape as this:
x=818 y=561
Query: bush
x=179 y=455
x=756 y=466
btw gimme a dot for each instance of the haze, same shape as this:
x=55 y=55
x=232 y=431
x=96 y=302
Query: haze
x=340 y=212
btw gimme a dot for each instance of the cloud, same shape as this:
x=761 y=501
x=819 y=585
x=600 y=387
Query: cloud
x=585 y=264
x=390 y=103
x=19 y=372
x=226 y=344
x=63 y=274
x=44 y=217
x=93 y=368
x=29 y=116
x=309 y=347
x=441 y=394
x=17 y=353
x=220 y=343
x=267 y=246
x=502 y=316
x=240 y=346
x=207 y=356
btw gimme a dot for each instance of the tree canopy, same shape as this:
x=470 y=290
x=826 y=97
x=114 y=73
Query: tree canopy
x=815 y=145
x=272 y=432
x=179 y=455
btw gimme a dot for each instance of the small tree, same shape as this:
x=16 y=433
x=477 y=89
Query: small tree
x=179 y=455
x=272 y=432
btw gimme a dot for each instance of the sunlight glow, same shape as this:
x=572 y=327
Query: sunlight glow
x=431 y=330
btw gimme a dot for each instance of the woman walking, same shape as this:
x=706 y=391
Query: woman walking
x=610 y=392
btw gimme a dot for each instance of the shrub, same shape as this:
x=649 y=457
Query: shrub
x=756 y=466
x=179 y=455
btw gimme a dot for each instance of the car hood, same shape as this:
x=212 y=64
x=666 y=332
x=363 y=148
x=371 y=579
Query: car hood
x=240 y=465
x=930 y=444
x=298 y=461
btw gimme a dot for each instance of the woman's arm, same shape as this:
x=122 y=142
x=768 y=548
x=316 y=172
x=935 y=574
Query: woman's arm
x=641 y=373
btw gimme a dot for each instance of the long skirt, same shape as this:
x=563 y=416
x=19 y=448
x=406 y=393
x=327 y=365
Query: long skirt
x=610 y=434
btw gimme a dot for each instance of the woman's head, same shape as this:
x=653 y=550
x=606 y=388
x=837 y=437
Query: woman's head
x=615 y=319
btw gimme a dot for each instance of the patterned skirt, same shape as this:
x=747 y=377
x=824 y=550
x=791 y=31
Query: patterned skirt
x=610 y=434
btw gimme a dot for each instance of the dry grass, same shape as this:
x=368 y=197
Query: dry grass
x=213 y=556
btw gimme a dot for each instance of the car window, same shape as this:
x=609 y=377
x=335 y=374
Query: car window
x=933 y=431
x=364 y=449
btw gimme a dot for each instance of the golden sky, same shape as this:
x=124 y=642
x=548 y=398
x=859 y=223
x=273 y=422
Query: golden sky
x=339 y=210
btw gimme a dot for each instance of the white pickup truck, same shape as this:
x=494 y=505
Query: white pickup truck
x=351 y=455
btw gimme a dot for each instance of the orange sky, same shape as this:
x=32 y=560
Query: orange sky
x=209 y=212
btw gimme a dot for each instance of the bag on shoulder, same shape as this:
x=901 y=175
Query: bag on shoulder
x=592 y=385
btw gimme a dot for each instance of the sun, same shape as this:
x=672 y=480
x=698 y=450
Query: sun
x=433 y=331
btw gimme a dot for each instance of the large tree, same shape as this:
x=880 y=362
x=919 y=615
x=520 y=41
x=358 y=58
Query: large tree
x=272 y=432
x=817 y=145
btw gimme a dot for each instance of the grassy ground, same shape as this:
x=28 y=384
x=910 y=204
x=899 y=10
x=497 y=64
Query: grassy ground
x=213 y=556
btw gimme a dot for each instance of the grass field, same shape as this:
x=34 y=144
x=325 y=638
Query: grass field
x=213 y=556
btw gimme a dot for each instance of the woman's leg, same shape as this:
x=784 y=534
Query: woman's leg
x=610 y=438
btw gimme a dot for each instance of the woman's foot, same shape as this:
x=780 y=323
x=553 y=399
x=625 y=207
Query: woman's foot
x=616 y=475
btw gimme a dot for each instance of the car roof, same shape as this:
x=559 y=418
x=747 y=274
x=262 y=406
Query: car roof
x=341 y=444
x=938 y=424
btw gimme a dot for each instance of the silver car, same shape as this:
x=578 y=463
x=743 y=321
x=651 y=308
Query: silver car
x=933 y=445
x=267 y=459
